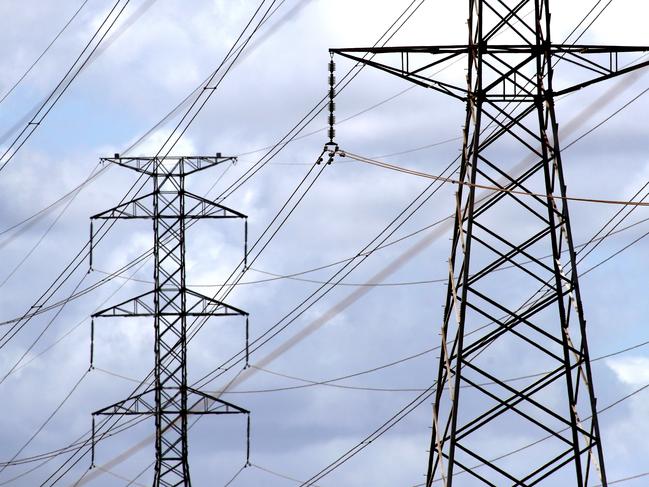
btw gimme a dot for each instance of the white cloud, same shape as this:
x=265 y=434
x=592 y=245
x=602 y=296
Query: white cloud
x=153 y=66
x=631 y=370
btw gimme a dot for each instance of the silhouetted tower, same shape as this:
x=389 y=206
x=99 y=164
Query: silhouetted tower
x=171 y=303
x=506 y=246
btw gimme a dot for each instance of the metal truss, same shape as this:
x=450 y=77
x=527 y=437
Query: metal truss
x=507 y=246
x=170 y=400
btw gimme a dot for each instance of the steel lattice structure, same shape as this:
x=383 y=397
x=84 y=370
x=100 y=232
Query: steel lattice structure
x=170 y=400
x=499 y=255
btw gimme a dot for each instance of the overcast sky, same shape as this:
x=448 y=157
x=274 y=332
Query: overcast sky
x=154 y=64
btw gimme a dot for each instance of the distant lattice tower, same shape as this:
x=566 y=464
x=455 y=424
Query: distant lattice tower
x=508 y=244
x=170 y=400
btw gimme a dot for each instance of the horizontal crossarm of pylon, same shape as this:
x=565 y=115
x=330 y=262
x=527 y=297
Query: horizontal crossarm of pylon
x=602 y=61
x=144 y=405
x=170 y=165
x=143 y=306
x=426 y=57
x=136 y=405
x=204 y=208
x=422 y=65
x=138 y=208
x=205 y=306
x=203 y=403
x=141 y=208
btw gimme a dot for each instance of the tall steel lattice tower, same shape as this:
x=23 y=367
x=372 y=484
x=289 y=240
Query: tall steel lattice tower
x=508 y=244
x=171 y=303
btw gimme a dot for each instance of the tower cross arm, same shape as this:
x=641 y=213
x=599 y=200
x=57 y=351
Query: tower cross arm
x=144 y=306
x=139 y=404
x=144 y=404
x=138 y=208
x=504 y=65
x=603 y=62
x=412 y=63
x=204 y=403
x=169 y=165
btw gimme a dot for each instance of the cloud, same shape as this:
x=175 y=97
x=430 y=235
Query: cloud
x=149 y=69
x=631 y=370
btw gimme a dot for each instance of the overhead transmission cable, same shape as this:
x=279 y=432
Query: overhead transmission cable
x=357 y=293
x=404 y=14
x=80 y=257
x=46 y=106
x=51 y=100
x=427 y=351
x=284 y=213
x=209 y=80
x=352 y=452
x=409 y=408
x=44 y=52
x=46 y=422
x=296 y=275
x=93 y=56
x=496 y=189
x=249 y=37
x=309 y=383
x=40 y=310
x=72 y=194
x=191 y=119
x=3 y=465
x=184 y=101
x=94 y=175
x=318 y=475
x=420 y=3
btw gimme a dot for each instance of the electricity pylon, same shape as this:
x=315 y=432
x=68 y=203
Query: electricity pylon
x=170 y=400
x=507 y=243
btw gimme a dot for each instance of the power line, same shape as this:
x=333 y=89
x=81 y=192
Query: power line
x=45 y=51
x=50 y=227
x=452 y=278
x=404 y=17
x=236 y=475
x=77 y=325
x=628 y=479
x=413 y=2
x=587 y=271
x=196 y=113
x=93 y=56
x=175 y=110
x=275 y=326
x=422 y=282
x=51 y=100
x=199 y=110
x=409 y=408
x=82 y=254
x=49 y=103
x=295 y=275
x=309 y=383
x=46 y=422
x=277 y=474
x=41 y=213
x=496 y=189
x=301 y=482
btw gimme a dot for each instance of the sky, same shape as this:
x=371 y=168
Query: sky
x=155 y=62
